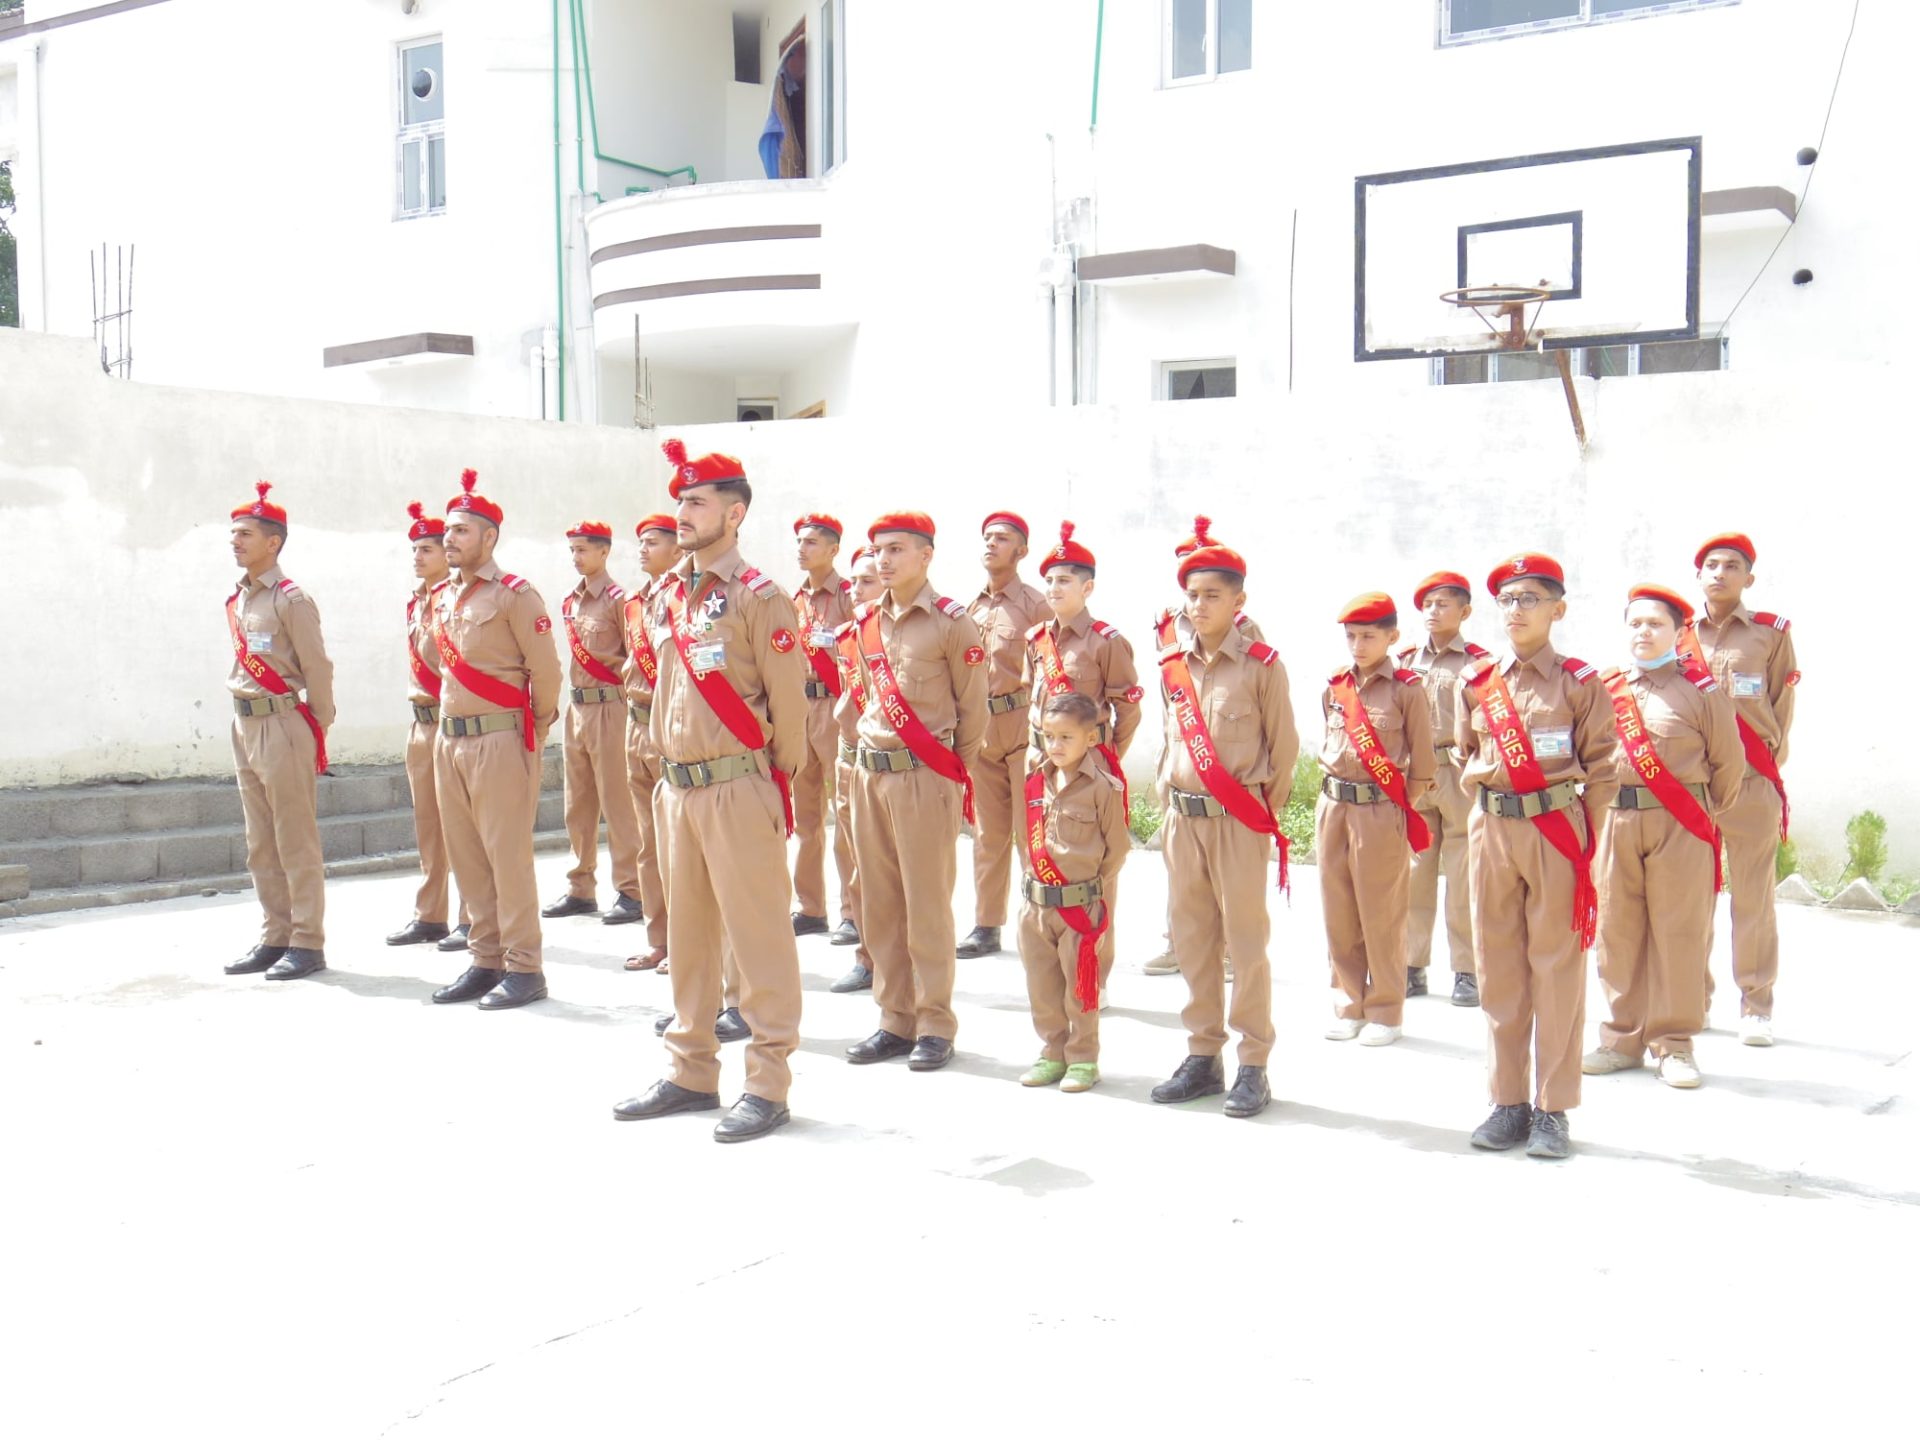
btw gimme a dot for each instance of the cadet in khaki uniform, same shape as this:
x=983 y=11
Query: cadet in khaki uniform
x=866 y=589
x=1005 y=610
x=824 y=604
x=1224 y=777
x=659 y=553
x=499 y=696
x=730 y=718
x=428 y=537
x=279 y=743
x=923 y=672
x=1446 y=600
x=1751 y=654
x=1378 y=762
x=1658 y=854
x=593 y=743
x=1535 y=729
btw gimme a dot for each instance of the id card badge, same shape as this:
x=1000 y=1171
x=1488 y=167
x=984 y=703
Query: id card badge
x=820 y=637
x=1748 y=687
x=1554 y=744
x=709 y=657
x=260 y=644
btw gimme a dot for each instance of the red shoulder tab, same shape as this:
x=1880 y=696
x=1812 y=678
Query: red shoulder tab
x=1776 y=622
x=846 y=587
x=756 y=582
x=952 y=607
x=1478 y=652
x=1241 y=620
x=1263 y=652
x=1478 y=669
x=1702 y=679
x=1408 y=653
x=1104 y=630
x=512 y=582
x=1578 y=669
x=618 y=594
x=1406 y=676
x=288 y=589
x=1035 y=633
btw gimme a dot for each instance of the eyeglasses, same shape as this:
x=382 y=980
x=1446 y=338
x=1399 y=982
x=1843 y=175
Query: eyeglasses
x=1519 y=600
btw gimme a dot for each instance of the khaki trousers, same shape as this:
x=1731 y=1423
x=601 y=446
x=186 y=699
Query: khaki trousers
x=905 y=823
x=1361 y=854
x=1000 y=802
x=843 y=780
x=489 y=791
x=1656 y=929
x=1218 y=870
x=1050 y=952
x=724 y=841
x=593 y=746
x=430 y=900
x=1446 y=814
x=1751 y=830
x=273 y=761
x=1533 y=976
x=815 y=791
x=643 y=775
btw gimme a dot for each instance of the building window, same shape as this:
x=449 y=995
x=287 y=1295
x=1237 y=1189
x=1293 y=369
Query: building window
x=421 y=152
x=1462 y=22
x=1197 y=380
x=1598 y=362
x=1205 y=38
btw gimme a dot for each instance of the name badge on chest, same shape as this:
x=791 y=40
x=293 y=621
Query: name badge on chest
x=1553 y=744
x=1748 y=687
x=820 y=637
x=708 y=657
x=260 y=644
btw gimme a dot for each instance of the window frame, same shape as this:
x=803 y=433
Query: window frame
x=1437 y=364
x=830 y=80
x=1446 y=40
x=1165 y=370
x=1209 y=44
x=419 y=135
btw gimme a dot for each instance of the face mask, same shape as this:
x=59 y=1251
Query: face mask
x=1666 y=659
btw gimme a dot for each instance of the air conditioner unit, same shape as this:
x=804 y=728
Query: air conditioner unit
x=748 y=411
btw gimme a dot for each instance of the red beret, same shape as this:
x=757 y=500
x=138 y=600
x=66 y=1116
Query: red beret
x=860 y=553
x=1369 y=608
x=591 y=530
x=1727 y=540
x=1660 y=592
x=1440 y=579
x=657 y=522
x=1006 y=517
x=260 y=508
x=472 y=503
x=1213 y=557
x=707 y=470
x=1068 y=552
x=1202 y=535
x=425 y=526
x=1528 y=565
x=819 y=522
x=914 y=522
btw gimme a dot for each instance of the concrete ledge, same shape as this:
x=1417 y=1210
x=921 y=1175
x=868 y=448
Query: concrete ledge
x=13 y=882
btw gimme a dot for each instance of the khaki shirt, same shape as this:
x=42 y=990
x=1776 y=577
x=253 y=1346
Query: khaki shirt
x=1560 y=713
x=282 y=626
x=503 y=631
x=1746 y=657
x=1005 y=617
x=1440 y=671
x=640 y=614
x=1397 y=710
x=1247 y=709
x=1098 y=660
x=1693 y=732
x=600 y=622
x=940 y=665
x=762 y=662
x=1183 y=627
x=1086 y=823
x=420 y=637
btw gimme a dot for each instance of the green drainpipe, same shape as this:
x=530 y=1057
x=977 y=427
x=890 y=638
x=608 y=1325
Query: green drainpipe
x=583 y=63
x=1099 y=34
x=559 y=224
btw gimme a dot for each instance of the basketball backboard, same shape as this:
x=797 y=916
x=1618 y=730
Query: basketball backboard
x=1612 y=233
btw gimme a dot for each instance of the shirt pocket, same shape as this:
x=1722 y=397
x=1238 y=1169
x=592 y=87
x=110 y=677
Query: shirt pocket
x=1073 y=828
x=923 y=680
x=1235 y=718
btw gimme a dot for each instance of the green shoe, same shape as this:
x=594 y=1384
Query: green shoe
x=1080 y=1077
x=1044 y=1072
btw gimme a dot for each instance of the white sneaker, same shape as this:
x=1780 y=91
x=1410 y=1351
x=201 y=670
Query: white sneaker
x=1344 y=1029
x=1756 y=1030
x=1608 y=1062
x=1162 y=965
x=1374 y=1033
x=1679 y=1071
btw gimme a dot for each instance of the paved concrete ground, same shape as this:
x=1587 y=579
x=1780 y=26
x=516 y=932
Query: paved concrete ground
x=331 y=1209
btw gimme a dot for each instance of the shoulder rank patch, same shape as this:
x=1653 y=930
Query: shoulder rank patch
x=1772 y=621
x=1478 y=669
x=756 y=582
x=1406 y=676
x=1408 y=653
x=1578 y=669
x=1263 y=652
x=1104 y=630
x=1478 y=652
x=1703 y=679
x=1241 y=619
x=289 y=589
x=512 y=582
x=617 y=593
x=846 y=587
x=952 y=607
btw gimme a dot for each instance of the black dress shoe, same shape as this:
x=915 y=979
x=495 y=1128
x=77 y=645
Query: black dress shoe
x=256 y=960
x=929 y=1052
x=471 y=985
x=845 y=933
x=1466 y=989
x=456 y=941
x=624 y=911
x=1416 y=980
x=1250 y=1094
x=569 y=905
x=809 y=924
x=517 y=989
x=730 y=1026
x=297 y=965
x=981 y=940
x=665 y=1098
x=420 y=932
x=1505 y=1128
x=749 y=1119
x=1198 y=1076
x=1548 y=1137
x=881 y=1045
x=858 y=978
x=663 y=1023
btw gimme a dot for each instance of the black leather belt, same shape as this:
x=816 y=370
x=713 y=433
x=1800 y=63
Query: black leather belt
x=849 y=753
x=883 y=761
x=1351 y=792
x=817 y=690
x=1184 y=803
x=1001 y=704
x=461 y=725
x=595 y=694
x=1639 y=797
x=639 y=714
x=426 y=714
x=1059 y=897
x=252 y=706
x=702 y=773
x=1511 y=806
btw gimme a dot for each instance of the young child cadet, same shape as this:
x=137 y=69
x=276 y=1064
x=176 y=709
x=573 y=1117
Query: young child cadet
x=1076 y=840
x=1075 y=652
x=1378 y=762
x=1658 y=856
x=1534 y=729
x=1226 y=773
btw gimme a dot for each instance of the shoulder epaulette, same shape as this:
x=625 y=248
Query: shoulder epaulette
x=293 y=592
x=1263 y=652
x=1578 y=669
x=512 y=582
x=617 y=593
x=952 y=607
x=1478 y=652
x=1702 y=679
x=1104 y=630
x=441 y=586
x=846 y=587
x=756 y=582
x=1406 y=676
x=1164 y=617
x=1478 y=669
x=1241 y=619
x=1408 y=653
x=1114 y=781
x=1764 y=618
x=1036 y=632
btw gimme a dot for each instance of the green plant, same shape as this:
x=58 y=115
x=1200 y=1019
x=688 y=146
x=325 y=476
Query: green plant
x=1144 y=818
x=1786 y=860
x=1296 y=822
x=1866 y=847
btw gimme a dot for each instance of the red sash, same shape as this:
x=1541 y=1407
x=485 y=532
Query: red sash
x=1758 y=755
x=494 y=692
x=424 y=675
x=1516 y=750
x=847 y=641
x=1250 y=810
x=1636 y=742
x=582 y=657
x=639 y=643
x=1086 y=977
x=274 y=683
x=1366 y=747
x=1054 y=675
x=723 y=699
x=824 y=668
x=907 y=725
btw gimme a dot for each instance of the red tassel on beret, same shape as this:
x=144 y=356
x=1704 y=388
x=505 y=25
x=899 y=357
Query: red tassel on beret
x=425 y=526
x=472 y=502
x=1067 y=552
x=707 y=470
x=260 y=508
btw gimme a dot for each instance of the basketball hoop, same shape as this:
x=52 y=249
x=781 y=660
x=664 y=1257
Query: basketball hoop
x=1503 y=302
